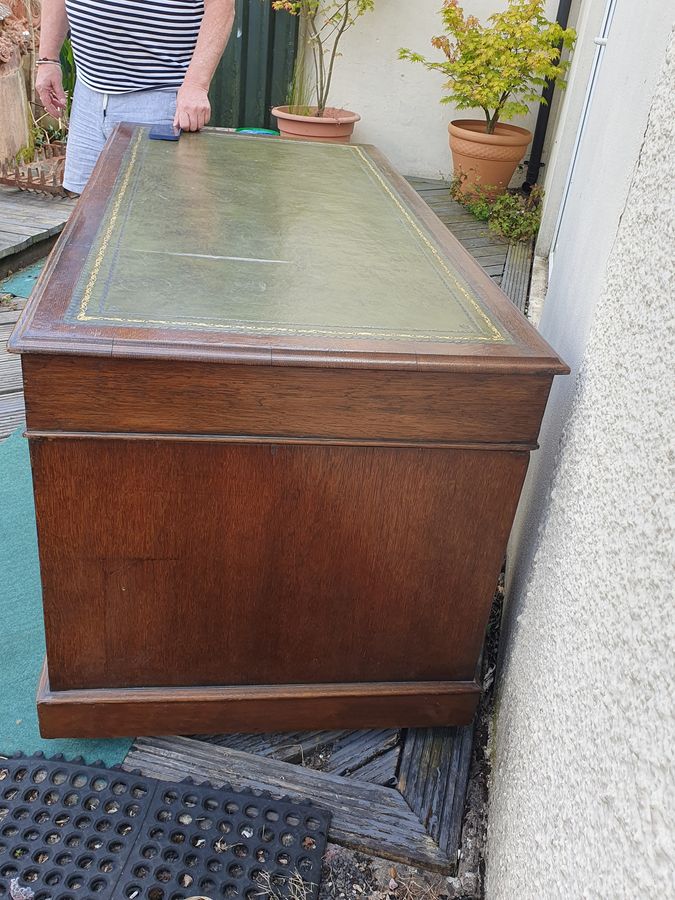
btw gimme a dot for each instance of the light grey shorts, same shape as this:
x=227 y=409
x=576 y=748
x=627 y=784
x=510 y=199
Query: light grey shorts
x=93 y=117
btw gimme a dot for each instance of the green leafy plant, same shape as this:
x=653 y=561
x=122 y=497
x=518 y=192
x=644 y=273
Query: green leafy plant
x=500 y=67
x=48 y=133
x=514 y=216
x=324 y=23
x=478 y=201
x=45 y=130
x=68 y=72
x=517 y=216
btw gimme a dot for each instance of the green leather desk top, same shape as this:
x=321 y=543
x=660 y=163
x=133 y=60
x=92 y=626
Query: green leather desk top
x=255 y=236
x=259 y=250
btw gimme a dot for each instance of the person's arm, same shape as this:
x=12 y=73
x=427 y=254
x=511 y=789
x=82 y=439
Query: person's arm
x=48 y=81
x=193 y=109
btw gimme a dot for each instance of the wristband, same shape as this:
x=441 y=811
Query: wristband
x=43 y=61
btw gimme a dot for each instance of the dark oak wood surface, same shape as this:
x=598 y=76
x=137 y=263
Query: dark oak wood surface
x=241 y=575
x=123 y=712
x=84 y=394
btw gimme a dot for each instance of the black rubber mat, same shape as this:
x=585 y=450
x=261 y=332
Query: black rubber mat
x=74 y=832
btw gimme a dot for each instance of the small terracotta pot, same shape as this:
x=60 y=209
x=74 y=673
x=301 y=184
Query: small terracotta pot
x=486 y=159
x=336 y=125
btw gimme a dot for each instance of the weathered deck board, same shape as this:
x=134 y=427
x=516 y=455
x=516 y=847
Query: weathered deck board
x=8 y=316
x=517 y=273
x=432 y=778
x=366 y=755
x=366 y=817
x=470 y=232
x=11 y=381
x=359 y=748
x=12 y=411
x=27 y=218
x=292 y=746
x=381 y=770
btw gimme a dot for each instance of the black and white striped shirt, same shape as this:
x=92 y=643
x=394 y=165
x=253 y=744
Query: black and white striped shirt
x=133 y=45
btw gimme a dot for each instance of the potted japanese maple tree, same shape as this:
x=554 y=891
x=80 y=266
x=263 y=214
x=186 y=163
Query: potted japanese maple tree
x=323 y=25
x=501 y=68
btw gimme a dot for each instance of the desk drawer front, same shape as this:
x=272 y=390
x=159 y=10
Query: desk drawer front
x=90 y=394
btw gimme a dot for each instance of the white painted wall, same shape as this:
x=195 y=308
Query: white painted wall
x=398 y=101
x=605 y=166
x=583 y=793
x=586 y=18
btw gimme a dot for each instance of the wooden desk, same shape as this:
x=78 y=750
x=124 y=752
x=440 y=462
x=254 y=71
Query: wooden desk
x=279 y=423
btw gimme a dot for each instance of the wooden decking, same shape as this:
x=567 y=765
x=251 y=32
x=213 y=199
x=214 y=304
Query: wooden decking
x=27 y=219
x=27 y=223
x=11 y=386
x=366 y=816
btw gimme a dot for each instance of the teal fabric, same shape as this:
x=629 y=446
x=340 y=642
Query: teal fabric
x=21 y=283
x=21 y=630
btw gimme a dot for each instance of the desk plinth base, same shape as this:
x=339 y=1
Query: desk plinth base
x=127 y=712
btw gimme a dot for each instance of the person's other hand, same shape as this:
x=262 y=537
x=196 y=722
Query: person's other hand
x=193 y=109
x=49 y=86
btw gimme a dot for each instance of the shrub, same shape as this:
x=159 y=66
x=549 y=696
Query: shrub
x=324 y=23
x=500 y=67
x=514 y=216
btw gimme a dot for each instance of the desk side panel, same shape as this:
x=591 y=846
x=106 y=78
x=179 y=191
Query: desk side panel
x=200 y=563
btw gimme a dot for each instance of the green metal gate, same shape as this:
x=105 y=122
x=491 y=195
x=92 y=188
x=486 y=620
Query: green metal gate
x=256 y=69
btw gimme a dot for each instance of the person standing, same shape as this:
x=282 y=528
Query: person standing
x=144 y=61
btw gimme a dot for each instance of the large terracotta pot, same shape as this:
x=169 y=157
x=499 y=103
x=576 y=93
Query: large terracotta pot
x=486 y=159
x=336 y=125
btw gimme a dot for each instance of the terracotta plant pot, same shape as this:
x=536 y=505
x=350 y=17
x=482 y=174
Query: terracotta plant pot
x=486 y=159
x=336 y=125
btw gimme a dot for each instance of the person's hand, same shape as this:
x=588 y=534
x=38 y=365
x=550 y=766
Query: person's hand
x=193 y=109
x=49 y=86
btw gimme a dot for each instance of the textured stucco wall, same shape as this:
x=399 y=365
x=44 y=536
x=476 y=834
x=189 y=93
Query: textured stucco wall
x=398 y=101
x=583 y=793
x=603 y=173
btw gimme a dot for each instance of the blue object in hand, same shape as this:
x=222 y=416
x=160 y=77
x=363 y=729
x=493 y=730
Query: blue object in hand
x=164 y=133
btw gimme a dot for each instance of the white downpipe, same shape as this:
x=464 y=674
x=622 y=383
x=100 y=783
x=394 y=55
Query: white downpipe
x=601 y=42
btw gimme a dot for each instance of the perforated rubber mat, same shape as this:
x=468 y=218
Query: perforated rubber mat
x=74 y=832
